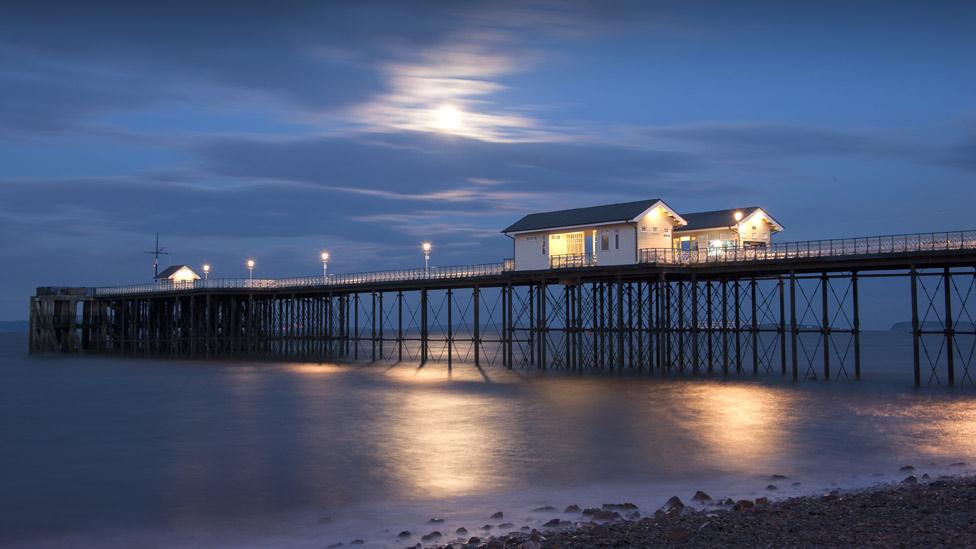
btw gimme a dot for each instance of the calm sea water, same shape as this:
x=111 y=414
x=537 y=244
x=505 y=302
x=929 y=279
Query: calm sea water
x=122 y=452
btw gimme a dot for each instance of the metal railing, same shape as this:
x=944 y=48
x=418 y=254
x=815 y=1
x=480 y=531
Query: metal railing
x=571 y=260
x=433 y=273
x=839 y=247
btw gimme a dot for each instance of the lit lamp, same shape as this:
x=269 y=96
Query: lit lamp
x=426 y=248
x=250 y=269
x=325 y=264
x=206 y=271
x=738 y=215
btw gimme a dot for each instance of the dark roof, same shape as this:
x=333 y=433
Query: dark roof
x=714 y=219
x=170 y=271
x=582 y=216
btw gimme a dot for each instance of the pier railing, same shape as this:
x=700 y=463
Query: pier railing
x=432 y=273
x=838 y=247
x=809 y=249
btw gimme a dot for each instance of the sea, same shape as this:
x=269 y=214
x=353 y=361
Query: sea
x=126 y=452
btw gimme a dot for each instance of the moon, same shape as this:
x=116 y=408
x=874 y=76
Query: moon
x=447 y=118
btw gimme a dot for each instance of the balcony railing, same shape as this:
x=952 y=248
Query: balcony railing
x=433 y=273
x=841 y=247
x=571 y=260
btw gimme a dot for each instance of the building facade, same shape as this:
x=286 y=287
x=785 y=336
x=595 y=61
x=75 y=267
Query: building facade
x=615 y=234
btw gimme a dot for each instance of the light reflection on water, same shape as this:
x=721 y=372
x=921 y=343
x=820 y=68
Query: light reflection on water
x=119 y=450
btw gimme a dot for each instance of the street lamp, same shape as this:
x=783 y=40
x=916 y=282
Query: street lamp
x=206 y=271
x=738 y=216
x=426 y=248
x=250 y=269
x=325 y=264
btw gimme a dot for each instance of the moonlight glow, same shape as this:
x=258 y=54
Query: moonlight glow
x=447 y=118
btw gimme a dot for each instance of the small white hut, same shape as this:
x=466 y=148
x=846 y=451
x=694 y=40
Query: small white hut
x=178 y=274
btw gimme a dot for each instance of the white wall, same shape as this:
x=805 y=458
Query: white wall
x=654 y=230
x=761 y=232
x=622 y=254
x=528 y=251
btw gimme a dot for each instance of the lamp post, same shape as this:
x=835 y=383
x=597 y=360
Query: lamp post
x=426 y=248
x=325 y=265
x=250 y=269
x=206 y=271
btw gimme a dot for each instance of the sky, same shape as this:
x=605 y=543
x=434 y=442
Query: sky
x=240 y=129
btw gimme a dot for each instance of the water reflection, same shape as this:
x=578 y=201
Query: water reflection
x=440 y=444
x=738 y=424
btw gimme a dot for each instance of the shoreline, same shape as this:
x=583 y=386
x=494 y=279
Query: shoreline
x=925 y=513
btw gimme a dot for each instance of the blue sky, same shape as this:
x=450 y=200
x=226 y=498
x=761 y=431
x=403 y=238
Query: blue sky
x=242 y=129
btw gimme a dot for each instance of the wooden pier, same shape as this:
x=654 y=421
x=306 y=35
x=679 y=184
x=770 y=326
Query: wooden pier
x=793 y=310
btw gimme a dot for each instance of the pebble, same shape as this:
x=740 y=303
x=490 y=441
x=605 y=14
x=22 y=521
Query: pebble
x=910 y=479
x=404 y=534
x=620 y=506
x=906 y=468
x=431 y=536
x=701 y=496
x=435 y=521
x=545 y=509
x=572 y=509
x=487 y=527
x=498 y=515
x=506 y=525
x=771 y=487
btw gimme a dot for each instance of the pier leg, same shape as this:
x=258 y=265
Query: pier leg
x=382 y=321
x=399 y=326
x=856 y=304
x=725 y=327
x=950 y=350
x=782 y=325
x=476 y=334
x=543 y=326
x=755 y=329
x=738 y=328
x=915 y=328
x=681 y=326
x=568 y=326
x=372 y=335
x=695 y=351
x=450 y=328
x=824 y=291
x=794 y=329
x=423 y=327
x=509 y=322
x=620 y=325
x=709 y=326
x=640 y=324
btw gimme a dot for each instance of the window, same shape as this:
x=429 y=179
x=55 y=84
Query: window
x=667 y=231
x=654 y=229
x=644 y=228
x=543 y=246
x=604 y=242
x=616 y=241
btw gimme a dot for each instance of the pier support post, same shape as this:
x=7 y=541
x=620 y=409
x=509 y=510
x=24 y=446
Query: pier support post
x=423 y=327
x=399 y=326
x=509 y=323
x=755 y=328
x=709 y=326
x=476 y=333
x=950 y=349
x=450 y=328
x=782 y=324
x=915 y=328
x=793 y=327
x=856 y=304
x=825 y=322
x=695 y=352
x=738 y=328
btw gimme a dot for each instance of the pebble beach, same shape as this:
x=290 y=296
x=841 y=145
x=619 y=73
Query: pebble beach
x=917 y=512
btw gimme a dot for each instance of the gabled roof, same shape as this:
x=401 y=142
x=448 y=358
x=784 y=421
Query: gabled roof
x=170 y=271
x=608 y=213
x=720 y=219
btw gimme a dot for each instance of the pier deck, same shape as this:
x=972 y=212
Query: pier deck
x=792 y=309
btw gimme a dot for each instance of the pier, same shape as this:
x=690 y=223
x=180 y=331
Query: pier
x=790 y=309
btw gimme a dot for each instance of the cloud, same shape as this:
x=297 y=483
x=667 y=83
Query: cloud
x=779 y=141
x=425 y=163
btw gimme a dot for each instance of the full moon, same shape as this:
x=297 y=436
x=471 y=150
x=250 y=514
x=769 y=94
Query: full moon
x=447 y=117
